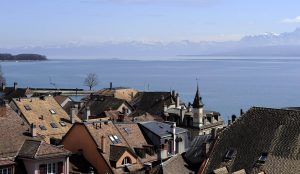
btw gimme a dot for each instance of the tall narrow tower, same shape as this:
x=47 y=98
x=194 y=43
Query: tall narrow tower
x=197 y=110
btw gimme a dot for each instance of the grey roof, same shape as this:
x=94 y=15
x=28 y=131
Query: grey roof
x=176 y=164
x=274 y=131
x=161 y=129
x=195 y=153
x=34 y=149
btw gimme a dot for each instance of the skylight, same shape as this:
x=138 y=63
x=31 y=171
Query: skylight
x=42 y=127
x=27 y=107
x=231 y=153
x=52 y=111
x=263 y=158
x=114 y=139
x=62 y=123
x=53 y=125
x=127 y=130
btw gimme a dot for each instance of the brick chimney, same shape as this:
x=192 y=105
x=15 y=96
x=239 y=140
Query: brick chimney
x=87 y=113
x=33 y=130
x=73 y=115
x=177 y=102
x=15 y=86
x=103 y=142
x=3 y=86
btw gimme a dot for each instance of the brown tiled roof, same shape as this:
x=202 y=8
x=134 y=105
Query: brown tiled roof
x=13 y=132
x=35 y=149
x=176 y=164
x=152 y=102
x=105 y=131
x=120 y=93
x=39 y=114
x=142 y=116
x=260 y=130
x=6 y=162
x=99 y=104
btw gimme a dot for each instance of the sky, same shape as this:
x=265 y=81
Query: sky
x=59 y=22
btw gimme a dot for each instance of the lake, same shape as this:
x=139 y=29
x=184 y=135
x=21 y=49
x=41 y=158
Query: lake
x=226 y=85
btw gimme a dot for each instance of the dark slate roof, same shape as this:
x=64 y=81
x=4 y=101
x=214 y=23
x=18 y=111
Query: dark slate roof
x=197 y=100
x=117 y=151
x=13 y=132
x=152 y=102
x=176 y=164
x=274 y=131
x=98 y=104
x=35 y=149
x=161 y=129
x=195 y=153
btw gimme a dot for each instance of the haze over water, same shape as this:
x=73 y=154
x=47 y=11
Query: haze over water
x=226 y=85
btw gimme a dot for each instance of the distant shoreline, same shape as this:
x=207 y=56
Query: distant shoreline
x=22 y=57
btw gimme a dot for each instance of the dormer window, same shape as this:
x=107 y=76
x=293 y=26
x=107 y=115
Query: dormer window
x=114 y=139
x=263 y=158
x=53 y=125
x=126 y=161
x=27 y=107
x=231 y=153
x=52 y=111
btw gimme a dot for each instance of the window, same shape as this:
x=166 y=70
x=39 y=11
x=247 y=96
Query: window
x=114 y=139
x=126 y=161
x=127 y=130
x=117 y=139
x=42 y=127
x=53 y=125
x=263 y=158
x=62 y=123
x=231 y=153
x=6 y=170
x=27 y=107
x=49 y=168
x=52 y=111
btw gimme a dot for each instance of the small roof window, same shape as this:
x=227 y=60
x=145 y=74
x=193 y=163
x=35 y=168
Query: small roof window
x=231 y=153
x=62 y=123
x=27 y=107
x=114 y=139
x=52 y=111
x=53 y=125
x=127 y=130
x=42 y=127
x=263 y=158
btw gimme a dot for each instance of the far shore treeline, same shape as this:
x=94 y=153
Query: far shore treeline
x=21 y=57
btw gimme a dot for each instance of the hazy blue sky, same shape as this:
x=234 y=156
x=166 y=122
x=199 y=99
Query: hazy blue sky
x=52 y=22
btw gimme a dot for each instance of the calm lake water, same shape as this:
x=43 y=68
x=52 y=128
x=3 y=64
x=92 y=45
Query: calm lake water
x=226 y=85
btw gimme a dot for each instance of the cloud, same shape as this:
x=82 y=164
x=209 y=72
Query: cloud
x=291 y=20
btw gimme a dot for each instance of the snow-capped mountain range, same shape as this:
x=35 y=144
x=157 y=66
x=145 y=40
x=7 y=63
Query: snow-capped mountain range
x=267 y=44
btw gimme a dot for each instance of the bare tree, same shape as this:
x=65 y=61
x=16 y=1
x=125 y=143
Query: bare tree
x=91 y=80
x=2 y=78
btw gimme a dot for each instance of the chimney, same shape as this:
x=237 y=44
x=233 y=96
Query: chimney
x=174 y=137
x=190 y=107
x=177 y=103
x=3 y=86
x=87 y=113
x=213 y=133
x=233 y=118
x=173 y=93
x=15 y=86
x=73 y=115
x=110 y=85
x=103 y=144
x=33 y=130
x=229 y=122
x=182 y=113
x=241 y=112
x=205 y=147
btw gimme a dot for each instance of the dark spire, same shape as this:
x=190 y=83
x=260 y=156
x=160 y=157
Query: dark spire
x=197 y=100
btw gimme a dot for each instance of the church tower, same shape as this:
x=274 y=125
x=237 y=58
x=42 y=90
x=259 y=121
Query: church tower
x=198 y=110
